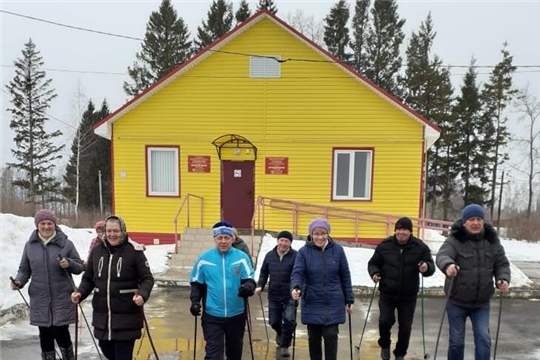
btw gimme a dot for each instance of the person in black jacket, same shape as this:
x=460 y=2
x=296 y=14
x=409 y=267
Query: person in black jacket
x=471 y=258
x=396 y=263
x=119 y=275
x=278 y=264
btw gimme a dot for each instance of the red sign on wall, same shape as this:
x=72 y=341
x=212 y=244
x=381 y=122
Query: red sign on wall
x=277 y=165
x=199 y=163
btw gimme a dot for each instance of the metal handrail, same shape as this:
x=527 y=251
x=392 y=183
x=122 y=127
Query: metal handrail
x=186 y=202
x=326 y=211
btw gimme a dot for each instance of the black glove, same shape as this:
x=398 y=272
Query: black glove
x=247 y=289
x=195 y=309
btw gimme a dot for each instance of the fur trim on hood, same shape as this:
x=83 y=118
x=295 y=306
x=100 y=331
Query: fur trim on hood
x=458 y=231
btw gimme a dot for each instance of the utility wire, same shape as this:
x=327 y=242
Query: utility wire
x=240 y=53
x=70 y=26
x=234 y=77
x=50 y=116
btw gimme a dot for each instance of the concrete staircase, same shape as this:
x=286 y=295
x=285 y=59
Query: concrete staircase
x=194 y=242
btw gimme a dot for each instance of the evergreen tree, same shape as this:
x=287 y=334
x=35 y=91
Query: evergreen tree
x=166 y=45
x=35 y=151
x=496 y=96
x=384 y=38
x=472 y=162
x=429 y=91
x=268 y=5
x=218 y=23
x=336 y=32
x=243 y=12
x=360 y=25
x=90 y=155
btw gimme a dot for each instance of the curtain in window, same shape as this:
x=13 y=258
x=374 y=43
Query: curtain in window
x=162 y=171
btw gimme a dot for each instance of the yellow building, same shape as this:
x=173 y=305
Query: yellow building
x=265 y=112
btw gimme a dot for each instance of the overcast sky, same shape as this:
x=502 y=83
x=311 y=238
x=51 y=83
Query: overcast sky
x=464 y=29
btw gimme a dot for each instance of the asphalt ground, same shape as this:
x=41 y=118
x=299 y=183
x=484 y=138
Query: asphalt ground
x=172 y=330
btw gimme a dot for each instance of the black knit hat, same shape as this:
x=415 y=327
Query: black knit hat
x=404 y=223
x=285 y=234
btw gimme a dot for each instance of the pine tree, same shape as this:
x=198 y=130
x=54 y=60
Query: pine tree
x=90 y=154
x=336 y=32
x=384 y=38
x=218 y=23
x=166 y=45
x=496 y=96
x=35 y=151
x=360 y=25
x=268 y=5
x=471 y=160
x=429 y=91
x=243 y=12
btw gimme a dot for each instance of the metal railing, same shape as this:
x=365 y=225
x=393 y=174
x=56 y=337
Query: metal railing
x=297 y=208
x=186 y=203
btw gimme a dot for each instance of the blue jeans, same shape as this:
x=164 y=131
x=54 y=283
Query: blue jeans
x=457 y=316
x=281 y=319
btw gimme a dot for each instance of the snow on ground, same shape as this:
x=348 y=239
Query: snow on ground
x=15 y=230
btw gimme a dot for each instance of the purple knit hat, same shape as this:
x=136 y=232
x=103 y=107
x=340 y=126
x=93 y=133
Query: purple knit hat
x=319 y=223
x=43 y=215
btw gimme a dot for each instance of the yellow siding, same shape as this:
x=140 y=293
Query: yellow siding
x=312 y=108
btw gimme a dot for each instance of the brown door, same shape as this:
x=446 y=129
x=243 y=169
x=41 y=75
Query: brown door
x=237 y=192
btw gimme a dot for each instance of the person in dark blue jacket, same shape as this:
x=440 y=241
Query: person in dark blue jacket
x=278 y=264
x=395 y=265
x=321 y=277
x=222 y=278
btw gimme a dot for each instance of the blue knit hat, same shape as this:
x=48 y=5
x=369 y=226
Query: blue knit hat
x=222 y=228
x=319 y=223
x=472 y=210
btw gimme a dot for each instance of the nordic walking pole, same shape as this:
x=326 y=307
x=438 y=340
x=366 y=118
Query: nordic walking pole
x=82 y=312
x=498 y=326
x=367 y=316
x=442 y=317
x=350 y=336
x=195 y=341
x=264 y=320
x=19 y=290
x=28 y=305
x=294 y=331
x=248 y=313
x=426 y=355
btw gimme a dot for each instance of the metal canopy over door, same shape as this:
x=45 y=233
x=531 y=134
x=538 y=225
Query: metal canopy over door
x=238 y=192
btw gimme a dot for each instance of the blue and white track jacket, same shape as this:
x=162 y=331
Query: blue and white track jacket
x=222 y=273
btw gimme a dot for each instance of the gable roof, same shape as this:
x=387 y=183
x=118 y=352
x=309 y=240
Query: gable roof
x=104 y=127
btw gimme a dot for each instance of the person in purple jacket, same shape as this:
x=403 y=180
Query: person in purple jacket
x=48 y=259
x=321 y=278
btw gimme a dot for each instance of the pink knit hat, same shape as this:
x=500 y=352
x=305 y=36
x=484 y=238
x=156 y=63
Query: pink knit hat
x=43 y=215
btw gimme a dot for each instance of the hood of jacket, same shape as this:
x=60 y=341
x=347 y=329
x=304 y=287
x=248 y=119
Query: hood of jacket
x=59 y=239
x=309 y=242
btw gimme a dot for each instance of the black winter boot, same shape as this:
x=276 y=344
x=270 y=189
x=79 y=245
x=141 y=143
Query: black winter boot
x=48 y=355
x=67 y=353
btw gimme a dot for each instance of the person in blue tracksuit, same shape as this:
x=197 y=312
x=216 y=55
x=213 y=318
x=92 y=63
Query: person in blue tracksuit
x=222 y=278
x=321 y=276
x=278 y=264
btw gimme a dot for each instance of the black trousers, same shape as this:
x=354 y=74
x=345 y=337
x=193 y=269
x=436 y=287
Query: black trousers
x=405 y=308
x=223 y=334
x=47 y=336
x=117 y=349
x=329 y=334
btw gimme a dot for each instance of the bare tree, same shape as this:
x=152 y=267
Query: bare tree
x=307 y=26
x=529 y=108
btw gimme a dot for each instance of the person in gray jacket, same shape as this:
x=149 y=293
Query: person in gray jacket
x=472 y=257
x=49 y=258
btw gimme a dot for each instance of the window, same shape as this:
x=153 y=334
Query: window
x=265 y=66
x=162 y=173
x=352 y=174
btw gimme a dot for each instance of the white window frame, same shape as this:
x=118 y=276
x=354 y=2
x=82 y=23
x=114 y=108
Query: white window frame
x=176 y=174
x=368 y=174
x=267 y=63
